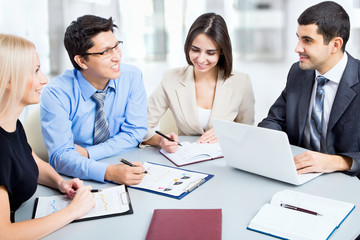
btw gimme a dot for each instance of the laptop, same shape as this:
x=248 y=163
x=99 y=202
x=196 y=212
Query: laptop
x=262 y=151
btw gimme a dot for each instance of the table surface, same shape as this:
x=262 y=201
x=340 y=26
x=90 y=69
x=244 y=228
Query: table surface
x=239 y=194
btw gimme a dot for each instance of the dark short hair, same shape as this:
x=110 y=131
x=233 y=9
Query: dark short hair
x=213 y=26
x=79 y=34
x=331 y=19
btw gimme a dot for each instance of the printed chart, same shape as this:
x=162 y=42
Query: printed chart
x=108 y=201
x=169 y=180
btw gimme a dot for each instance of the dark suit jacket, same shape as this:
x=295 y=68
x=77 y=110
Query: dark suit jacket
x=290 y=111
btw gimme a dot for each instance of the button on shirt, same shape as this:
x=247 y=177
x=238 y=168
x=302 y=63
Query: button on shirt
x=68 y=117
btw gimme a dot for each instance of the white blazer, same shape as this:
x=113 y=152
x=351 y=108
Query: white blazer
x=234 y=101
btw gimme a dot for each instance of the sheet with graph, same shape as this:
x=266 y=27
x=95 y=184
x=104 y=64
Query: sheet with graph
x=112 y=201
x=170 y=181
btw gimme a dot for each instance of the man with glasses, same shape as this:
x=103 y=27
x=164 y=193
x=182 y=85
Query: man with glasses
x=96 y=110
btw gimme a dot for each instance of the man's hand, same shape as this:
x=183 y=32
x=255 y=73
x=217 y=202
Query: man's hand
x=124 y=174
x=311 y=162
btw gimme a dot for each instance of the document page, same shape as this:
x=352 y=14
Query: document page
x=168 y=180
x=337 y=210
x=194 y=152
x=108 y=201
x=291 y=224
x=297 y=215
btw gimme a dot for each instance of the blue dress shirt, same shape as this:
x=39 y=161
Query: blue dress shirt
x=68 y=117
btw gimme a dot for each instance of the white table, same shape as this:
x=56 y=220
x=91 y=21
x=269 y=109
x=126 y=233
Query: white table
x=238 y=193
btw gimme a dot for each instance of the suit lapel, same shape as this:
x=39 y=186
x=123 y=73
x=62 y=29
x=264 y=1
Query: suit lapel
x=187 y=100
x=344 y=94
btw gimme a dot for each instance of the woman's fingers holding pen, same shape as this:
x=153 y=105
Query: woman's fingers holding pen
x=83 y=202
x=170 y=146
x=70 y=186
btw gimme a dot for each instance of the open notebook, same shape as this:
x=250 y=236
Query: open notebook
x=194 y=152
x=297 y=215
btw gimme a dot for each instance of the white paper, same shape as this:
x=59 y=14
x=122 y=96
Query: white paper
x=337 y=210
x=168 y=180
x=295 y=224
x=291 y=224
x=194 y=152
x=108 y=201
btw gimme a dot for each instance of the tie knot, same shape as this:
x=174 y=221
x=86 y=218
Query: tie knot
x=99 y=97
x=321 y=81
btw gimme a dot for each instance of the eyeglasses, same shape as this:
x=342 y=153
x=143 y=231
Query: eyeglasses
x=108 y=52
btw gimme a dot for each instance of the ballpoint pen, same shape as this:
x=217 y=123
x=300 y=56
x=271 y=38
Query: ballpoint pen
x=95 y=190
x=92 y=190
x=124 y=161
x=164 y=136
x=299 y=209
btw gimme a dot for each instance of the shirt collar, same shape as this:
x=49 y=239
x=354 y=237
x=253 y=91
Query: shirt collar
x=335 y=73
x=87 y=89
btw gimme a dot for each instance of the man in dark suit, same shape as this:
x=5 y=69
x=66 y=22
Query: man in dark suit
x=322 y=115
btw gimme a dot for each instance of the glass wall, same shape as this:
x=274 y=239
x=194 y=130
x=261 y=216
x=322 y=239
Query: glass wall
x=155 y=30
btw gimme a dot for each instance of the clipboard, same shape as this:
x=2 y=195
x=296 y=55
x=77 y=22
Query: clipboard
x=187 y=183
x=41 y=205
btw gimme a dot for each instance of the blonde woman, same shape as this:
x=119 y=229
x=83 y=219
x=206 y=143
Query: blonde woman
x=21 y=81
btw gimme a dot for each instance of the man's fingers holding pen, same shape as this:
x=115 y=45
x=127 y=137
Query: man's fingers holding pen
x=125 y=174
x=139 y=169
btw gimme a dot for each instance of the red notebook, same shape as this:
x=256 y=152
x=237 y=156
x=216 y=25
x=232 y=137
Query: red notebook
x=186 y=224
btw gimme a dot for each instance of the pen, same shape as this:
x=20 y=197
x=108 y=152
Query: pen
x=124 y=161
x=299 y=209
x=164 y=136
x=92 y=190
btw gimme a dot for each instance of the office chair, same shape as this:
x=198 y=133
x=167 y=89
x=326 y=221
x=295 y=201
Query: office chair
x=34 y=136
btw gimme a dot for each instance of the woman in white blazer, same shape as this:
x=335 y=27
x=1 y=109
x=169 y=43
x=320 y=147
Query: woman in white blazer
x=207 y=88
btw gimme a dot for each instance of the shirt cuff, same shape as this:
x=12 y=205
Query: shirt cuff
x=354 y=166
x=95 y=152
x=97 y=171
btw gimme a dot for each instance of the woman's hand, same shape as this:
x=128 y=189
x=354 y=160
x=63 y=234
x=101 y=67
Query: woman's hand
x=208 y=137
x=169 y=146
x=83 y=202
x=69 y=187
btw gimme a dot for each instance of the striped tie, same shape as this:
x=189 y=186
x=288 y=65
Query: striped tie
x=317 y=112
x=101 y=127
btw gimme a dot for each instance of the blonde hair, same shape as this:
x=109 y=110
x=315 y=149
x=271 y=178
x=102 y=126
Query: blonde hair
x=17 y=58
